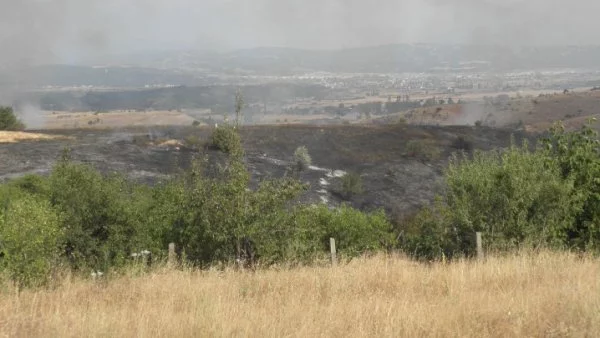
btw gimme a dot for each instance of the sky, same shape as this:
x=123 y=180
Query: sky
x=69 y=31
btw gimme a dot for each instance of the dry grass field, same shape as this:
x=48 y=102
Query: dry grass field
x=19 y=136
x=113 y=119
x=528 y=295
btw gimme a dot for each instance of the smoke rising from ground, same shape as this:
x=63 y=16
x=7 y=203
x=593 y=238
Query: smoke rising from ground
x=31 y=115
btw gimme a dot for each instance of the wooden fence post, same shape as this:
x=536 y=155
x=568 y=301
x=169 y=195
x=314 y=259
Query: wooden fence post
x=171 y=258
x=333 y=252
x=479 y=243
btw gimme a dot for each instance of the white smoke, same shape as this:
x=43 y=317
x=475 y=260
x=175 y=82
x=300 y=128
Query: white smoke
x=31 y=115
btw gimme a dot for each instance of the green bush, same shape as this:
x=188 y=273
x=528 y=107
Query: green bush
x=515 y=197
x=211 y=217
x=103 y=217
x=577 y=155
x=302 y=159
x=422 y=149
x=429 y=235
x=226 y=139
x=352 y=185
x=303 y=234
x=8 y=120
x=30 y=240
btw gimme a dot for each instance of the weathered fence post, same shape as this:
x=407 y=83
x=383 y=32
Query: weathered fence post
x=479 y=246
x=171 y=258
x=333 y=253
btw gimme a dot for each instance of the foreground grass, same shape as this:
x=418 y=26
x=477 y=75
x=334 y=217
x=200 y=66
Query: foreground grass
x=545 y=294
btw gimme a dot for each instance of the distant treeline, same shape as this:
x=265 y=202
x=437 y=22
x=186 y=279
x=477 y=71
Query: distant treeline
x=217 y=98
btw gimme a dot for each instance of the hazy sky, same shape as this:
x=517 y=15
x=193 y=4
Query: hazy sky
x=71 y=30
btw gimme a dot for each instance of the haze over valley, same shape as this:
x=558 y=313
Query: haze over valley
x=299 y=168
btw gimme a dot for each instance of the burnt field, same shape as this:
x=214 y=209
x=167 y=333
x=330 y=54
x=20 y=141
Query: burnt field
x=400 y=166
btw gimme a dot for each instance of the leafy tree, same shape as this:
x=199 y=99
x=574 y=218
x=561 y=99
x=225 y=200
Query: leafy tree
x=30 y=239
x=226 y=139
x=8 y=120
x=103 y=217
x=578 y=157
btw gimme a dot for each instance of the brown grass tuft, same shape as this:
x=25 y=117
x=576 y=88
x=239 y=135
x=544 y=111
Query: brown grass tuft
x=533 y=295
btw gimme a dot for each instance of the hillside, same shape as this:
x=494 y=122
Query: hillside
x=531 y=113
x=400 y=166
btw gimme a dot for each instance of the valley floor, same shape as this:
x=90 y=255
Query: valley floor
x=534 y=295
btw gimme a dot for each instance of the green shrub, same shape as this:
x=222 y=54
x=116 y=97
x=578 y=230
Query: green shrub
x=30 y=239
x=352 y=185
x=577 y=155
x=8 y=120
x=226 y=139
x=429 y=235
x=31 y=184
x=422 y=149
x=302 y=159
x=210 y=219
x=516 y=198
x=355 y=232
x=103 y=217
x=303 y=234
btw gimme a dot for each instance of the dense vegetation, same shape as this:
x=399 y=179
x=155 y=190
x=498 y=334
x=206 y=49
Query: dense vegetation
x=524 y=196
x=83 y=220
x=518 y=197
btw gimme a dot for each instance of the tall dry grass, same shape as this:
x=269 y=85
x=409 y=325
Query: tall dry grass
x=533 y=295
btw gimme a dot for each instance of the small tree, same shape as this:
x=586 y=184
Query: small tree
x=8 y=120
x=351 y=185
x=239 y=105
x=226 y=139
x=302 y=158
x=30 y=238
